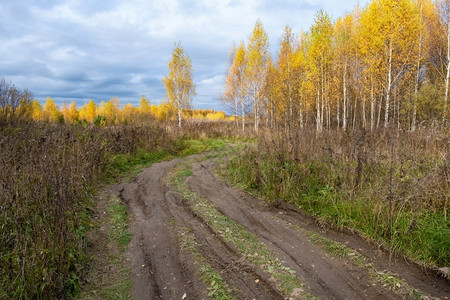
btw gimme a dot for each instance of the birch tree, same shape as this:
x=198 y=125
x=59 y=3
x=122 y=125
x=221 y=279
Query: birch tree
x=179 y=83
x=444 y=13
x=285 y=76
x=236 y=82
x=344 y=47
x=319 y=57
x=258 y=60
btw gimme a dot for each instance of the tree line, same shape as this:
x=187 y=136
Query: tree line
x=17 y=105
x=111 y=112
x=384 y=65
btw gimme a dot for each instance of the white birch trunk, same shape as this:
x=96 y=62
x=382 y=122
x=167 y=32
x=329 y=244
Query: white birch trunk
x=372 y=106
x=344 y=112
x=447 y=78
x=388 y=88
x=416 y=83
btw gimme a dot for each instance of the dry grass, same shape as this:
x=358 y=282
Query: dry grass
x=392 y=186
x=48 y=173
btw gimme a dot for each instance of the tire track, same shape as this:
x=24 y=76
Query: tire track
x=160 y=270
x=328 y=277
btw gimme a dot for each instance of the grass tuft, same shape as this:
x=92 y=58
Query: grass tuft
x=215 y=286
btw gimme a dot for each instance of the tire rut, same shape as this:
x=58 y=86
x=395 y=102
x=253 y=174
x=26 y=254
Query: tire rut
x=156 y=269
x=159 y=269
x=328 y=277
x=247 y=282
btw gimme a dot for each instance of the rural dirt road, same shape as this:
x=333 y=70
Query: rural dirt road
x=163 y=268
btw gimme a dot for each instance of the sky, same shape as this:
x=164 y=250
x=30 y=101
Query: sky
x=76 y=50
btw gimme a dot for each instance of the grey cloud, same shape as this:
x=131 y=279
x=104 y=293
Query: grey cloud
x=292 y=5
x=89 y=49
x=30 y=68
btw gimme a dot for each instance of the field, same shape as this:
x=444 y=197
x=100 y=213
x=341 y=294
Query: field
x=356 y=203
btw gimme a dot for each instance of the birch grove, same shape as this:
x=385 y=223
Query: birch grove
x=384 y=65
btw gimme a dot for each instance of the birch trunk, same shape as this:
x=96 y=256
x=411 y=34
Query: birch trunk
x=372 y=106
x=322 y=99
x=236 y=112
x=243 y=115
x=416 y=83
x=388 y=88
x=301 y=111
x=364 y=121
x=447 y=78
x=317 y=110
x=344 y=112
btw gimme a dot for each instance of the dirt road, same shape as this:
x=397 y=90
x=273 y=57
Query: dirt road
x=181 y=219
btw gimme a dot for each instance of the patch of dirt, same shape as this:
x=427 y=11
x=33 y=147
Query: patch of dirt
x=328 y=277
x=162 y=270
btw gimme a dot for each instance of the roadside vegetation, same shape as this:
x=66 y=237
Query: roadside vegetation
x=106 y=254
x=390 y=186
x=49 y=175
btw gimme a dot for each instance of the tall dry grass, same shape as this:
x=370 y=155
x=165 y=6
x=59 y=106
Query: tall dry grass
x=393 y=186
x=47 y=175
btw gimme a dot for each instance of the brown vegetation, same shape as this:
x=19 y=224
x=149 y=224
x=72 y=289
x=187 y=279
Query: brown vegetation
x=48 y=173
x=392 y=186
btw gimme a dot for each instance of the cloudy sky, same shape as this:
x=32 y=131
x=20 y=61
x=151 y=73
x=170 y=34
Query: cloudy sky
x=89 y=49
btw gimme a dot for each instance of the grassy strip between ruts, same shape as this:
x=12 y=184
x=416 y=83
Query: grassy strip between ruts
x=245 y=242
x=386 y=278
x=111 y=255
x=216 y=287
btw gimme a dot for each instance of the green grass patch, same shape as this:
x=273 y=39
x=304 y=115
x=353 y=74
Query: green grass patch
x=120 y=290
x=246 y=243
x=215 y=286
x=118 y=222
x=190 y=147
x=131 y=165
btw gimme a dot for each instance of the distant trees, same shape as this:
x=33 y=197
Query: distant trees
x=111 y=113
x=51 y=111
x=179 y=83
